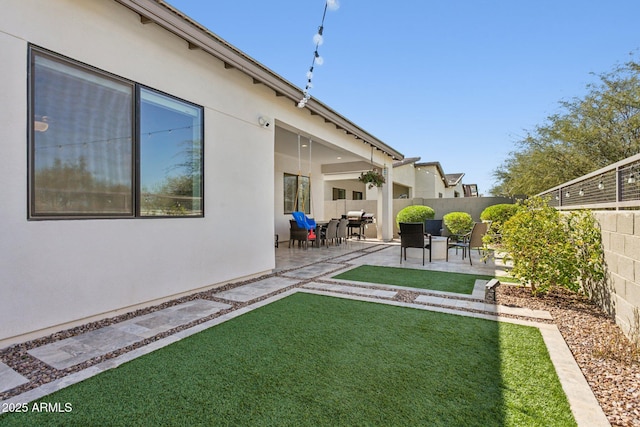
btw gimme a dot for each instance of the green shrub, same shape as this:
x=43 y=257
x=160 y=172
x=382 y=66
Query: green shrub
x=550 y=249
x=416 y=213
x=458 y=222
x=497 y=215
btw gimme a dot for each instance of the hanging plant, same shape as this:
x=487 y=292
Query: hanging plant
x=373 y=178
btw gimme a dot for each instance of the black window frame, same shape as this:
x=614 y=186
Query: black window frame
x=339 y=193
x=136 y=190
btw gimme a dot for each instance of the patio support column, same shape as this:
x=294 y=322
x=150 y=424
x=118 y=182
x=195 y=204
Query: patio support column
x=385 y=207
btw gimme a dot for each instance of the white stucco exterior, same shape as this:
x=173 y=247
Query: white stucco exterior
x=57 y=273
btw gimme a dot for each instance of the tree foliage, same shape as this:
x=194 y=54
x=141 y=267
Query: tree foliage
x=591 y=132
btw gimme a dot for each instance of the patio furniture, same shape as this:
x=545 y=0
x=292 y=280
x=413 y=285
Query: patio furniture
x=471 y=240
x=330 y=232
x=412 y=235
x=433 y=227
x=296 y=233
x=342 y=230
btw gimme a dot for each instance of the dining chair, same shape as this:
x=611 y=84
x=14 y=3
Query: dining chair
x=471 y=240
x=342 y=230
x=412 y=236
x=330 y=232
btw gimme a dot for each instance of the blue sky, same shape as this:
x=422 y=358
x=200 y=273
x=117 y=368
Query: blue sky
x=457 y=81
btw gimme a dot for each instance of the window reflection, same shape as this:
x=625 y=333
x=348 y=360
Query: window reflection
x=170 y=156
x=82 y=141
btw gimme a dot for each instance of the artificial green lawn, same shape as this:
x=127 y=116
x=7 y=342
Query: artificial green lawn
x=424 y=279
x=317 y=360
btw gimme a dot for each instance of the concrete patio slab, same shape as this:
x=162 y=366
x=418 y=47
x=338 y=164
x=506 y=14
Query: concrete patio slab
x=313 y=270
x=10 y=378
x=256 y=289
x=481 y=306
x=369 y=292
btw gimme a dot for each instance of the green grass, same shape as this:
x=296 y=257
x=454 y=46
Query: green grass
x=317 y=360
x=424 y=279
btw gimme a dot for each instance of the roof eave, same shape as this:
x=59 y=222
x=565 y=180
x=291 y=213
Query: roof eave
x=199 y=37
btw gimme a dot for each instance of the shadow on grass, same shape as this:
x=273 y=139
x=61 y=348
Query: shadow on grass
x=316 y=360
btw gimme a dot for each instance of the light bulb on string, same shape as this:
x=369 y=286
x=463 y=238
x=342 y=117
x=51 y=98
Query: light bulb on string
x=333 y=4
x=318 y=40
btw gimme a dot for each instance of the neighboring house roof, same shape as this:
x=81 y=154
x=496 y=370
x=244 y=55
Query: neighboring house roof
x=406 y=161
x=437 y=166
x=453 y=179
x=199 y=37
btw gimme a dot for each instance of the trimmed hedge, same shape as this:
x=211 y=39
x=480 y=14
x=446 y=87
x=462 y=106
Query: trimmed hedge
x=458 y=222
x=415 y=213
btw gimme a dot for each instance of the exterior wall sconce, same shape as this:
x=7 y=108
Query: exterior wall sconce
x=264 y=121
x=632 y=178
x=581 y=192
x=567 y=194
x=601 y=185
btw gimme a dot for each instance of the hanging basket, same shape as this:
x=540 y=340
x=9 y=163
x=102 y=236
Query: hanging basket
x=373 y=178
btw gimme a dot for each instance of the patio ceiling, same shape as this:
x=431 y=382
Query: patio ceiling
x=321 y=151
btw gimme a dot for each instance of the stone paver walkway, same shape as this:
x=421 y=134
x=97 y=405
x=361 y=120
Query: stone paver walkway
x=72 y=351
x=9 y=378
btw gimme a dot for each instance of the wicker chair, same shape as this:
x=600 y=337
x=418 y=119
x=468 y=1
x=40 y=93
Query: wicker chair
x=471 y=240
x=301 y=235
x=342 y=230
x=412 y=236
x=330 y=232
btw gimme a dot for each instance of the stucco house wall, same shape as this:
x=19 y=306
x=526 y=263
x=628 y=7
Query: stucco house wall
x=55 y=272
x=429 y=182
x=60 y=273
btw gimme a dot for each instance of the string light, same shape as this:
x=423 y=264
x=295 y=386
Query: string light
x=318 y=39
x=85 y=144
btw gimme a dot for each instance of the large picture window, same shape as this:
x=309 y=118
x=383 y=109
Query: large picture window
x=101 y=146
x=297 y=194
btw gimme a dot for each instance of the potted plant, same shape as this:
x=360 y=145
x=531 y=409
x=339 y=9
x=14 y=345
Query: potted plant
x=372 y=178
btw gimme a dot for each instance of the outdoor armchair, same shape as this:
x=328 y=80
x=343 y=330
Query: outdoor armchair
x=412 y=236
x=471 y=240
x=297 y=233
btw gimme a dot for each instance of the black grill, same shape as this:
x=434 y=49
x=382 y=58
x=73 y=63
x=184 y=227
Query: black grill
x=357 y=221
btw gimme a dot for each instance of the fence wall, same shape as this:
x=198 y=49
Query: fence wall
x=472 y=205
x=613 y=195
x=621 y=241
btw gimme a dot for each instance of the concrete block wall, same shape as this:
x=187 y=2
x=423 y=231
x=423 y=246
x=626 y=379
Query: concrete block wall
x=621 y=242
